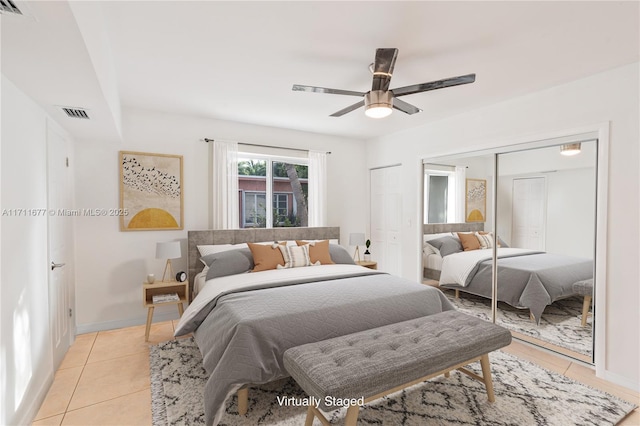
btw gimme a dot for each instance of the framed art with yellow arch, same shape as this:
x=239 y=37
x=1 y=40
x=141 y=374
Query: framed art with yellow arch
x=475 y=209
x=151 y=195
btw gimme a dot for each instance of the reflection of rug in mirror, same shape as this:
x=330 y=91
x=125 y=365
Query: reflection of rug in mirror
x=526 y=394
x=560 y=322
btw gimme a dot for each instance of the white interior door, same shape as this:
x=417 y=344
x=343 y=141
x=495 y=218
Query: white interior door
x=60 y=241
x=528 y=213
x=386 y=218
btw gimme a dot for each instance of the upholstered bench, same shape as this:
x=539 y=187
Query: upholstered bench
x=584 y=288
x=357 y=368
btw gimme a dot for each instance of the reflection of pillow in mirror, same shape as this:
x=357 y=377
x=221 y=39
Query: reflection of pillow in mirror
x=446 y=245
x=429 y=248
x=485 y=239
x=469 y=241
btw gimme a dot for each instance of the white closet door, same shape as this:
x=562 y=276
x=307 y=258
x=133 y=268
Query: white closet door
x=528 y=213
x=386 y=218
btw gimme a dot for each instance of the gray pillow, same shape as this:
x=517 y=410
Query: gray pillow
x=502 y=243
x=228 y=262
x=446 y=245
x=340 y=255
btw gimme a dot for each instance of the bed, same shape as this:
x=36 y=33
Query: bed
x=243 y=323
x=526 y=278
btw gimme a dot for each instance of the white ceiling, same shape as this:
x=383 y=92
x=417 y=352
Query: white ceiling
x=238 y=60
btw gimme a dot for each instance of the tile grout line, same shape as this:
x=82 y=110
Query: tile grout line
x=75 y=388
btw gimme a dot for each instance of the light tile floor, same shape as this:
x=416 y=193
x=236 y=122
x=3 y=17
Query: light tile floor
x=104 y=378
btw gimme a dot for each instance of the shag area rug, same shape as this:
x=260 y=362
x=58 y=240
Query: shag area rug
x=560 y=322
x=525 y=395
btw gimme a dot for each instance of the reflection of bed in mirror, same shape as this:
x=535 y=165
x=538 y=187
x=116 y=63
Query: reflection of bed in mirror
x=529 y=279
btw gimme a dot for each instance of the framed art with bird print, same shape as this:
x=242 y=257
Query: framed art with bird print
x=151 y=192
x=476 y=200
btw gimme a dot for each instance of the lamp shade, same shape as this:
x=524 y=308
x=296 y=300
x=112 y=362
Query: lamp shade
x=356 y=239
x=168 y=250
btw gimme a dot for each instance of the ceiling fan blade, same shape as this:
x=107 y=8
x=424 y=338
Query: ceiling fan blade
x=301 y=88
x=383 y=68
x=405 y=107
x=433 y=85
x=348 y=109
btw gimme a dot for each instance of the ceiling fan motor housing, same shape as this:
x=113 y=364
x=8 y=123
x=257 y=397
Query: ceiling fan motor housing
x=378 y=103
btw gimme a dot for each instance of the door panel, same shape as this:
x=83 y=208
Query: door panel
x=386 y=218
x=60 y=237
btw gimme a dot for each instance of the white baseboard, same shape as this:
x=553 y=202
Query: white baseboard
x=112 y=325
x=621 y=380
x=27 y=415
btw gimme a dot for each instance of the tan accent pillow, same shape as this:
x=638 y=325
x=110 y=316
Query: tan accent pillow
x=469 y=241
x=265 y=257
x=318 y=251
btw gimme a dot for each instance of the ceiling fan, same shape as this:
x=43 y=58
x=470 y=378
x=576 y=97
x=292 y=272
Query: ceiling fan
x=379 y=101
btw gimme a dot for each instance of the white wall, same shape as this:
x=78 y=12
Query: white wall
x=26 y=360
x=570 y=210
x=111 y=265
x=609 y=96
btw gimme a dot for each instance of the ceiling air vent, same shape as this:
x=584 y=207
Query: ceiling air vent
x=75 y=112
x=9 y=6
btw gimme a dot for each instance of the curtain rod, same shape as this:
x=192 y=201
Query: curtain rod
x=207 y=140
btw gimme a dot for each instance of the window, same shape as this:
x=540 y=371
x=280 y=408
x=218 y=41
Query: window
x=273 y=191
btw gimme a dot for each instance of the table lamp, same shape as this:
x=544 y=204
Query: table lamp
x=356 y=239
x=168 y=250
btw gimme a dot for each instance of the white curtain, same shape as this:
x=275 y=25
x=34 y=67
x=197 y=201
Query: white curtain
x=224 y=213
x=461 y=189
x=317 y=200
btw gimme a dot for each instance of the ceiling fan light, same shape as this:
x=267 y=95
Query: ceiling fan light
x=378 y=104
x=570 y=149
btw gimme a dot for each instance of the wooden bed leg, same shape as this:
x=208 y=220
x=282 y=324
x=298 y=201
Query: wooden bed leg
x=531 y=317
x=243 y=401
x=447 y=374
x=586 y=304
x=351 y=419
x=486 y=375
x=457 y=294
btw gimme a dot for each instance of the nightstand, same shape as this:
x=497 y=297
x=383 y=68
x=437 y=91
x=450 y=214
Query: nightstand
x=163 y=287
x=367 y=264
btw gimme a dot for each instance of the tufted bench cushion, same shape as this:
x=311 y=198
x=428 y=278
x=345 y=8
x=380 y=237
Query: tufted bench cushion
x=584 y=287
x=368 y=363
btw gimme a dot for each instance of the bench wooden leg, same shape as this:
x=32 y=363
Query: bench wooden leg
x=586 y=304
x=243 y=401
x=351 y=419
x=486 y=375
x=308 y=421
x=457 y=294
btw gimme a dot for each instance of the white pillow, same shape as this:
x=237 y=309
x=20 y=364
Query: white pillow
x=485 y=240
x=295 y=256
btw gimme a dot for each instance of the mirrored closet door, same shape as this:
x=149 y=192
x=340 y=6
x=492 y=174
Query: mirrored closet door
x=534 y=275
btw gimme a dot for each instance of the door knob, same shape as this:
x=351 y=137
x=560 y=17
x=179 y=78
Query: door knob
x=56 y=265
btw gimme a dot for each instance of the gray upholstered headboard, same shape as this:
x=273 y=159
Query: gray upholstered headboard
x=437 y=228
x=237 y=236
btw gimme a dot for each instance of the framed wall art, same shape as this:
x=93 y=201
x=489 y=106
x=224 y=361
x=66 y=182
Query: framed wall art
x=475 y=206
x=151 y=195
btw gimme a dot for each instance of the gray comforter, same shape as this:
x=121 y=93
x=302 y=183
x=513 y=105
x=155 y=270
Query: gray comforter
x=530 y=281
x=245 y=334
